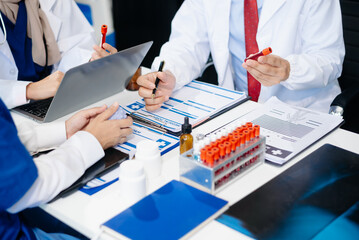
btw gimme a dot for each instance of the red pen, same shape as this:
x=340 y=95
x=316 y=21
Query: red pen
x=258 y=54
x=103 y=35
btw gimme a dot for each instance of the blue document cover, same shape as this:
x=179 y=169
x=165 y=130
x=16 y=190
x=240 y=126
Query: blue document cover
x=171 y=212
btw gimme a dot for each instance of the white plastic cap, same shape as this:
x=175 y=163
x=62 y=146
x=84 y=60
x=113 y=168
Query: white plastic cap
x=147 y=148
x=207 y=141
x=201 y=144
x=196 y=148
x=213 y=137
x=131 y=169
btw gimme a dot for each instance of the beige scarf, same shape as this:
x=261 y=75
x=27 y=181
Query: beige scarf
x=37 y=27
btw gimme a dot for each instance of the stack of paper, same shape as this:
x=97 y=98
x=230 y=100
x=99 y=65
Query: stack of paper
x=290 y=129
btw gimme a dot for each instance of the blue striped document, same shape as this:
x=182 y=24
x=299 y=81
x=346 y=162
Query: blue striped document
x=198 y=101
x=174 y=211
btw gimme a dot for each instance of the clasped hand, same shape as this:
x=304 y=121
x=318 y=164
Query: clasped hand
x=95 y=121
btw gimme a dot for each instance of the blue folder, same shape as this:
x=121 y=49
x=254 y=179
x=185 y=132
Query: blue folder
x=171 y=212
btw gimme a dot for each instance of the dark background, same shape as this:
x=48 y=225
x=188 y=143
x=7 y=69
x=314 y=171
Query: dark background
x=136 y=22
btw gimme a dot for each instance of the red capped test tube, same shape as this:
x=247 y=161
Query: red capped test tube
x=103 y=35
x=258 y=54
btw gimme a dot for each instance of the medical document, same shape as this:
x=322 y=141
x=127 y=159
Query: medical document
x=290 y=129
x=196 y=100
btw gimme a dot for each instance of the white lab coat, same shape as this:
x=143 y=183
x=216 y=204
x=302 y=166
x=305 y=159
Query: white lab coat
x=75 y=38
x=307 y=33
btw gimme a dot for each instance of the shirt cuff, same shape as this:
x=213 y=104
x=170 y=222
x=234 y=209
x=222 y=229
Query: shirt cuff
x=19 y=94
x=90 y=148
x=50 y=135
x=294 y=71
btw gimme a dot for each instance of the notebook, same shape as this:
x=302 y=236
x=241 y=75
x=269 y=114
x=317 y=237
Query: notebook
x=175 y=211
x=317 y=198
x=87 y=84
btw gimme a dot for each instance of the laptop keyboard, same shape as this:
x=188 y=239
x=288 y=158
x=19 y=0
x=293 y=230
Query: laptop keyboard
x=38 y=108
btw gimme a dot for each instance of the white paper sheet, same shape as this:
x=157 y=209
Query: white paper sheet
x=290 y=129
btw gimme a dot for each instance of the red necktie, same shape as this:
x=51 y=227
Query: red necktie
x=250 y=32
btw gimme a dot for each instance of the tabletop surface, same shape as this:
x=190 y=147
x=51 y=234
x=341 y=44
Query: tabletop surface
x=86 y=213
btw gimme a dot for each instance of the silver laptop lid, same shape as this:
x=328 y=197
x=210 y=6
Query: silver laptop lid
x=96 y=80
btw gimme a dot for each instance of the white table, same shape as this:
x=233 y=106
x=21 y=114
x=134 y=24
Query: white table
x=86 y=213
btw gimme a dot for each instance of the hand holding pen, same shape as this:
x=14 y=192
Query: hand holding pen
x=155 y=94
x=267 y=68
x=157 y=80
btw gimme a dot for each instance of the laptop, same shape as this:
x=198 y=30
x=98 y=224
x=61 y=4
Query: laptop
x=88 y=83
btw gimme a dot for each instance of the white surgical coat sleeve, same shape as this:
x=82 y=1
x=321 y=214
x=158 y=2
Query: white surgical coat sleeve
x=320 y=61
x=75 y=37
x=58 y=169
x=39 y=137
x=13 y=93
x=188 y=50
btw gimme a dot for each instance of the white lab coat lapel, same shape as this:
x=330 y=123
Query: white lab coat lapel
x=268 y=10
x=5 y=50
x=220 y=36
x=55 y=22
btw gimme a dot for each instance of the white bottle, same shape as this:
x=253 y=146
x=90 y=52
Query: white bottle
x=132 y=181
x=148 y=152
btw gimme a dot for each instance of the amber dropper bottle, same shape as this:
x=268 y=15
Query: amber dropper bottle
x=186 y=139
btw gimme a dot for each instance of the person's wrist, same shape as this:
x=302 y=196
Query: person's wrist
x=67 y=129
x=29 y=91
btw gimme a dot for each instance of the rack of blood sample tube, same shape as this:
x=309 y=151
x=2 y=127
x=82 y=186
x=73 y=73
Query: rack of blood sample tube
x=224 y=158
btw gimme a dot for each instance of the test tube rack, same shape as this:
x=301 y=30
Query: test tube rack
x=213 y=176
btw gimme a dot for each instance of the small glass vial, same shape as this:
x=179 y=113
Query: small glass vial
x=186 y=139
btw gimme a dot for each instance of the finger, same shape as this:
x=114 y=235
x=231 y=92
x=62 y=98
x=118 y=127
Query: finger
x=126 y=132
x=95 y=56
x=109 y=48
x=122 y=140
x=109 y=112
x=145 y=92
x=153 y=107
x=263 y=68
x=147 y=81
x=154 y=101
x=59 y=74
x=161 y=92
x=264 y=79
x=93 y=112
x=101 y=52
x=164 y=78
x=273 y=60
x=125 y=123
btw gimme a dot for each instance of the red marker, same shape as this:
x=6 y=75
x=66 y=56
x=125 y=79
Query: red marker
x=258 y=54
x=103 y=34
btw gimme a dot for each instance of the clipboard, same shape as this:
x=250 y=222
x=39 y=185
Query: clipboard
x=138 y=118
x=199 y=101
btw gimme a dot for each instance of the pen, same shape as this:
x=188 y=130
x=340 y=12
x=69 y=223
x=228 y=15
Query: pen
x=157 y=80
x=103 y=35
x=258 y=54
